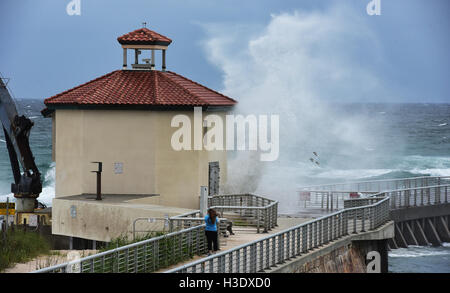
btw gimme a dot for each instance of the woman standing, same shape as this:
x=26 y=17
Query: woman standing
x=211 y=222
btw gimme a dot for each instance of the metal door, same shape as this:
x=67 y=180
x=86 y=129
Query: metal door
x=214 y=178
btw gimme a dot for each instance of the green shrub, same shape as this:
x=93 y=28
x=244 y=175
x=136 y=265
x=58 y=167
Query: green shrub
x=20 y=246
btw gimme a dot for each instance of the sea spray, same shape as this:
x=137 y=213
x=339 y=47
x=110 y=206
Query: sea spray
x=48 y=190
x=290 y=68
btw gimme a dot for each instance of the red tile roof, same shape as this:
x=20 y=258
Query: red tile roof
x=135 y=87
x=144 y=36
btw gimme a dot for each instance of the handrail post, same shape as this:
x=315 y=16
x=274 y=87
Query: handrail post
x=257 y=220
x=266 y=220
x=363 y=219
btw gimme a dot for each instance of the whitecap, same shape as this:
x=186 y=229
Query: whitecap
x=432 y=172
x=442 y=124
x=48 y=191
x=353 y=173
x=419 y=251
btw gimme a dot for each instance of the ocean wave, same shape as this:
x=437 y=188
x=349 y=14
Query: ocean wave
x=352 y=173
x=442 y=124
x=374 y=174
x=48 y=191
x=419 y=251
x=432 y=172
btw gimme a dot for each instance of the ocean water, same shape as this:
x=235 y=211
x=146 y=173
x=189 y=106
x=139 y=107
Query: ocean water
x=420 y=259
x=405 y=140
x=41 y=145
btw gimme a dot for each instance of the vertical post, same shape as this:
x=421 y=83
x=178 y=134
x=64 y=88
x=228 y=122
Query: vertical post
x=99 y=186
x=257 y=220
x=163 y=60
x=153 y=59
x=124 y=58
x=429 y=195
x=446 y=195
x=266 y=220
x=331 y=195
x=136 y=54
x=99 y=180
x=363 y=219
x=3 y=232
x=204 y=200
x=415 y=197
x=421 y=196
x=7 y=214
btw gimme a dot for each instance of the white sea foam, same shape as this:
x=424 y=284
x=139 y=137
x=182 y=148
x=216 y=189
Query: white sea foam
x=442 y=124
x=419 y=251
x=367 y=173
x=353 y=173
x=48 y=191
x=432 y=172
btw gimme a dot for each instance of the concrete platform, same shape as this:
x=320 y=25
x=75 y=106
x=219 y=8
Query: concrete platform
x=84 y=217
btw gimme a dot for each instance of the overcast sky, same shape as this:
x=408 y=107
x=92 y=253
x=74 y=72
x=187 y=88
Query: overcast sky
x=333 y=48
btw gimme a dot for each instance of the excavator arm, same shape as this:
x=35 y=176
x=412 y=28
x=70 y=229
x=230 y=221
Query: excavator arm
x=27 y=184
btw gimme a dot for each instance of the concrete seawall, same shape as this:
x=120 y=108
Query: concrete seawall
x=346 y=255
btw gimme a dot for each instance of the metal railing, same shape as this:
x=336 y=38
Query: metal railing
x=185 y=220
x=192 y=219
x=382 y=184
x=327 y=200
x=332 y=196
x=140 y=257
x=261 y=255
x=422 y=196
x=358 y=202
x=257 y=210
x=159 y=252
x=157 y=225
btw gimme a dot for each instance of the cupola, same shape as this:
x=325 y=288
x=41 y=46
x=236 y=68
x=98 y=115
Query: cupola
x=141 y=40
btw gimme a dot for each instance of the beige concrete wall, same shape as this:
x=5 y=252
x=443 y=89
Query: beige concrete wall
x=105 y=221
x=181 y=173
x=138 y=139
x=68 y=152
